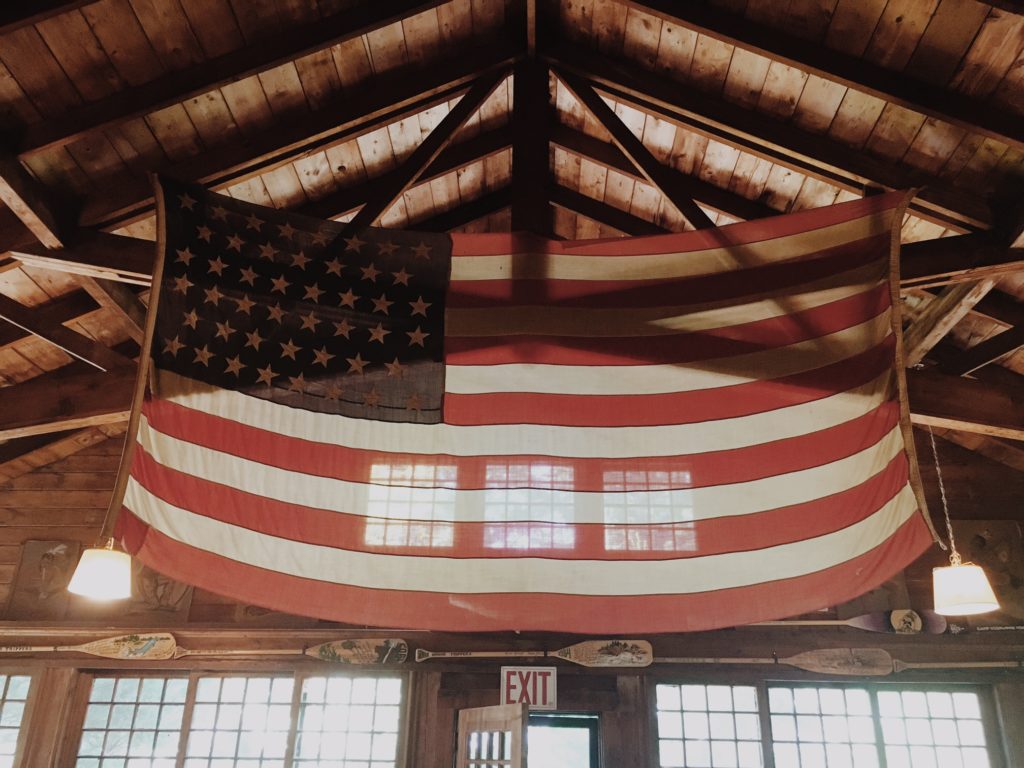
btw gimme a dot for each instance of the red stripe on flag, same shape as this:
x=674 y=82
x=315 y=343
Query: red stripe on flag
x=727 y=341
x=328 y=528
x=669 y=408
x=770 y=228
x=631 y=614
x=699 y=289
x=685 y=471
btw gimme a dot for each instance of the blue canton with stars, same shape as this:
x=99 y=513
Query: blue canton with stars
x=283 y=307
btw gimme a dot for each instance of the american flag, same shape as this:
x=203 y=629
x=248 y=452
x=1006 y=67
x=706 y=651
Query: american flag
x=487 y=432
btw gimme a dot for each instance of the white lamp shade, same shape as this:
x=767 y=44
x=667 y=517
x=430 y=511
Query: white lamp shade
x=103 y=574
x=962 y=590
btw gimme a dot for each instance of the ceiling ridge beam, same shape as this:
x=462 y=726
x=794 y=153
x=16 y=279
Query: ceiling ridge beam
x=851 y=71
x=259 y=56
x=531 y=124
x=425 y=153
x=704 y=192
x=630 y=145
x=766 y=137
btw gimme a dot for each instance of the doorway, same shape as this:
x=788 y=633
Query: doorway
x=562 y=740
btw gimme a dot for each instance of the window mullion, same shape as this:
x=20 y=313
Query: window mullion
x=289 y=754
x=876 y=717
x=186 y=718
x=766 y=724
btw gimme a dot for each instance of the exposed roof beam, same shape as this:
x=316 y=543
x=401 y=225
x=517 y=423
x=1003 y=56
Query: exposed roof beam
x=453 y=157
x=97 y=254
x=942 y=313
x=424 y=154
x=30 y=453
x=15 y=14
x=707 y=194
x=177 y=86
x=122 y=301
x=531 y=123
x=492 y=202
x=28 y=200
x=957 y=259
x=653 y=171
x=69 y=398
x=852 y=71
x=65 y=339
x=61 y=310
x=965 y=404
x=571 y=200
x=1009 y=453
x=985 y=352
x=387 y=99
x=766 y=137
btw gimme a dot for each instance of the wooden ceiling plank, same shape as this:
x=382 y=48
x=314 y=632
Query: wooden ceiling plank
x=762 y=136
x=181 y=84
x=531 y=122
x=71 y=342
x=986 y=352
x=967 y=405
x=414 y=166
x=942 y=313
x=28 y=200
x=40 y=454
x=23 y=13
x=852 y=71
x=66 y=399
x=657 y=174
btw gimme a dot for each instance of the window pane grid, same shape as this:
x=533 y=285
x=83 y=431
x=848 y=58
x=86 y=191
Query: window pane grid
x=13 y=695
x=823 y=727
x=708 y=726
x=132 y=722
x=349 y=722
x=932 y=729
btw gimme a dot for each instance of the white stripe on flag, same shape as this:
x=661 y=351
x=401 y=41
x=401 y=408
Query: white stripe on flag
x=679 y=506
x=527 y=439
x=526 y=575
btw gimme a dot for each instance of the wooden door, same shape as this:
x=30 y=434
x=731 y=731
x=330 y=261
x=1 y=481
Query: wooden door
x=492 y=737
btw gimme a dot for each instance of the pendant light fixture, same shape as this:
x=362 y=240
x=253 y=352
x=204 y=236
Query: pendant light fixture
x=959 y=589
x=103 y=573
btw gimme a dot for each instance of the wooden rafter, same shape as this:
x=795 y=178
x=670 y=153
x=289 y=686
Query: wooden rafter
x=16 y=14
x=72 y=397
x=468 y=212
x=957 y=259
x=766 y=137
x=57 y=311
x=966 y=405
x=704 y=192
x=631 y=146
x=986 y=352
x=428 y=150
x=627 y=223
x=938 y=318
x=96 y=254
x=69 y=341
x=531 y=121
x=854 y=72
x=180 y=85
x=28 y=200
x=122 y=301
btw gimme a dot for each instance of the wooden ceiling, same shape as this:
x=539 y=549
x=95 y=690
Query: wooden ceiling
x=578 y=119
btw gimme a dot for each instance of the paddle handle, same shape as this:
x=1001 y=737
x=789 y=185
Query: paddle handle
x=35 y=648
x=182 y=652
x=422 y=655
x=900 y=666
x=708 y=660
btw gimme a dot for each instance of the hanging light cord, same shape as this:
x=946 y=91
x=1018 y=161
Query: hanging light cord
x=954 y=556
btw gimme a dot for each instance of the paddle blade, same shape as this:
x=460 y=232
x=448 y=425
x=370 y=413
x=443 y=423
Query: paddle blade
x=154 y=646
x=609 y=653
x=386 y=650
x=843 y=661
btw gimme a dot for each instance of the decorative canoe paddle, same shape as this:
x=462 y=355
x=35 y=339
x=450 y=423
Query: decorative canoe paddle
x=847 y=661
x=386 y=650
x=590 y=653
x=902 y=622
x=150 y=647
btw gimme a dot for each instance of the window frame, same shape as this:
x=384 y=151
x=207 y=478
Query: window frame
x=985 y=690
x=33 y=673
x=74 y=724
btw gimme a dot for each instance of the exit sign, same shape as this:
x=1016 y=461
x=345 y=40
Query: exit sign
x=536 y=686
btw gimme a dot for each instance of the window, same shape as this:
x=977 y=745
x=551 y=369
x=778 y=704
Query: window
x=816 y=726
x=242 y=721
x=411 y=505
x=13 y=694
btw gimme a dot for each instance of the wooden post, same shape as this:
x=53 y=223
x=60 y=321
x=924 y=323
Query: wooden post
x=47 y=716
